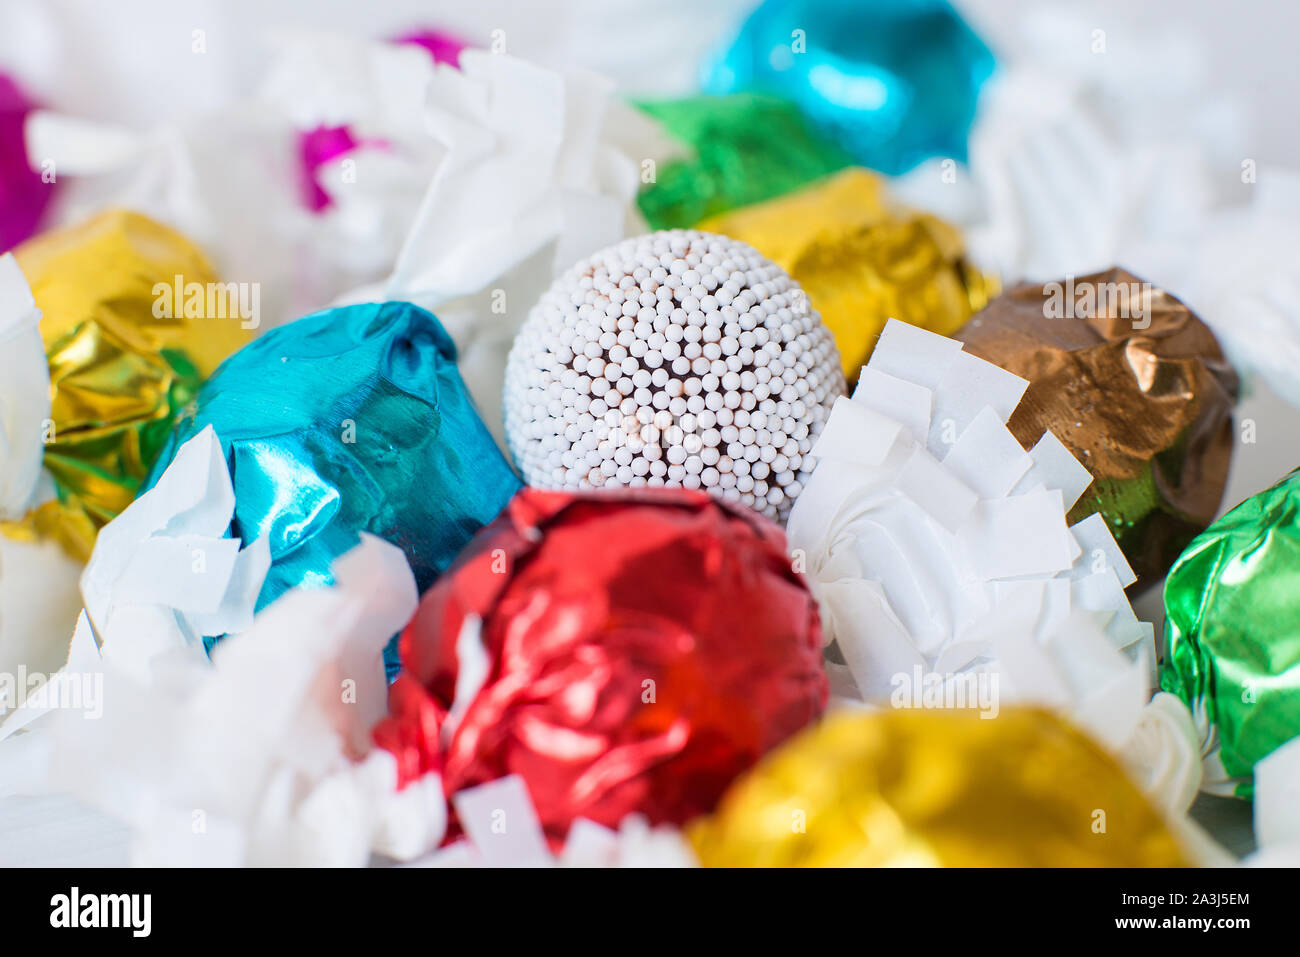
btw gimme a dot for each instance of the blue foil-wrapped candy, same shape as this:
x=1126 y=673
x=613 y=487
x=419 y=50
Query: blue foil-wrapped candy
x=349 y=420
x=894 y=81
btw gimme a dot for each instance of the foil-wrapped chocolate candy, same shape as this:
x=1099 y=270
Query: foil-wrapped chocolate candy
x=1232 y=603
x=1136 y=387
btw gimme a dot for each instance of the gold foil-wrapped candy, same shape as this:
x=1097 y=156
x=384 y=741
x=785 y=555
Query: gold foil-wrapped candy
x=863 y=261
x=1136 y=387
x=133 y=319
x=936 y=788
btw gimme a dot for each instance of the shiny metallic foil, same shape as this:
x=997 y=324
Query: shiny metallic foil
x=123 y=361
x=1138 y=389
x=862 y=261
x=936 y=788
x=350 y=420
x=745 y=148
x=644 y=647
x=1232 y=624
x=24 y=194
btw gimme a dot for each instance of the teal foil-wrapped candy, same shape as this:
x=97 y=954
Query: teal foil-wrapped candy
x=1232 y=606
x=350 y=420
x=895 y=82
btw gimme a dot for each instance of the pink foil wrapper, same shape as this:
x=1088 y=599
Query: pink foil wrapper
x=23 y=196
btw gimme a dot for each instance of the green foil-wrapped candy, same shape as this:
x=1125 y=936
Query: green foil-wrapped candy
x=1232 y=605
x=746 y=148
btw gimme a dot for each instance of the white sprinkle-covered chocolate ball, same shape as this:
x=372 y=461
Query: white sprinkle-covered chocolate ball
x=678 y=359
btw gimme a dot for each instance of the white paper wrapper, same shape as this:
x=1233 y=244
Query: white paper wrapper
x=1243 y=278
x=658 y=50
x=502 y=830
x=499 y=819
x=225 y=178
x=77 y=686
x=469 y=189
x=261 y=756
x=378 y=91
x=163 y=575
x=1215 y=778
x=59 y=831
x=39 y=604
x=231 y=177
x=945 y=573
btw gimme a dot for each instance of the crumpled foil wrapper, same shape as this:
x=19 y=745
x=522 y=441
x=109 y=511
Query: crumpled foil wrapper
x=937 y=788
x=1231 y=605
x=350 y=420
x=743 y=149
x=893 y=83
x=480 y=810
x=1138 y=390
x=620 y=651
x=326 y=143
x=1277 y=795
x=862 y=260
x=461 y=190
x=124 y=356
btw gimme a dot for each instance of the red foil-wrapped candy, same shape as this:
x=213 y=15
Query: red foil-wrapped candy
x=638 y=650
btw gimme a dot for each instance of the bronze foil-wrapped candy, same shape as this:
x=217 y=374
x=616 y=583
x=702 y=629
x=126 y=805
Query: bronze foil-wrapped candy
x=1136 y=387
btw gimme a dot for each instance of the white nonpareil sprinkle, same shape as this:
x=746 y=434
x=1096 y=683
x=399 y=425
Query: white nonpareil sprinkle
x=679 y=359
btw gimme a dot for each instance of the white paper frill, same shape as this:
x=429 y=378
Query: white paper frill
x=939 y=554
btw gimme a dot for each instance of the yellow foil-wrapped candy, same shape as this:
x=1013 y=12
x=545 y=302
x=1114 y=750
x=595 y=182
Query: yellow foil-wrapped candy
x=936 y=788
x=133 y=319
x=862 y=261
